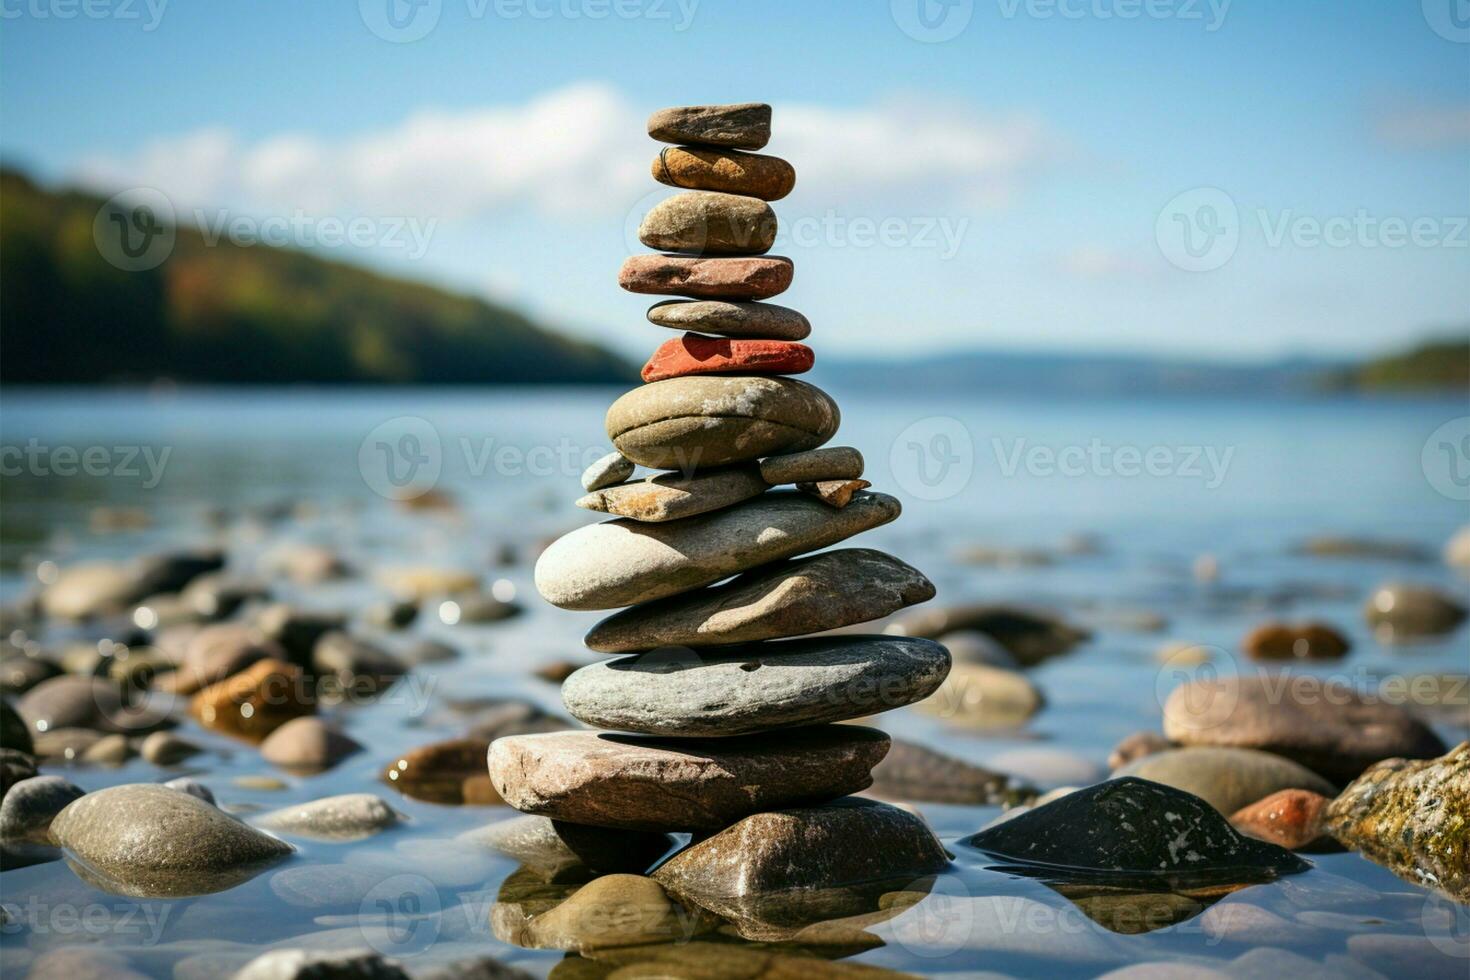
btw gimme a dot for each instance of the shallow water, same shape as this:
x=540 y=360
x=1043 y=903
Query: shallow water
x=1241 y=482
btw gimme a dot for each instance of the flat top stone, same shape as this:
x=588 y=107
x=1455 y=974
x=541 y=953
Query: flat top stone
x=642 y=783
x=756 y=687
x=1331 y=728
x=827 y=463
x=727 y=278
x=669 y=496
x=1130 y=827
x=746 y=125
x=694 y=354
x=731 y=319
x=792 y=598
x=620 y=563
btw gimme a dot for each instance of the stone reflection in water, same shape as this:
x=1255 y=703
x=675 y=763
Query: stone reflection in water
x=611 y=911
x=1131 y=911
x=712 y=961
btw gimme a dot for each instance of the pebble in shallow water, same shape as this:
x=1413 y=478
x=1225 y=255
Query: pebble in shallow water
x=149 y=839
x=31 y=804
x=352 y=816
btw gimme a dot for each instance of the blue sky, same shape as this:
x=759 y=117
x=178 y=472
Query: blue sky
x=1235 y=179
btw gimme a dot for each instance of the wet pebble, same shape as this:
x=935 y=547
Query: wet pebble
x=31 y=804
x=351 y=816
x=307 y=744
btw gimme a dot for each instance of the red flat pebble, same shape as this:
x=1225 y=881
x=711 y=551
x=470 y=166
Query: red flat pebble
x=697 y=354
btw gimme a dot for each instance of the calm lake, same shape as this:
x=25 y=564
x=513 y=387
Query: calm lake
x=1151 y=522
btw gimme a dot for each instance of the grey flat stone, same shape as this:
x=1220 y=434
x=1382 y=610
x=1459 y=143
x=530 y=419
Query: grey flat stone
x=814 y=465
x=351 y=816
x=712 y=420
x=640 y=783
x=670 y=496
x=610 y=469
x=146 y=839
x=757 y=687
x=622 y=562
x=791 y=598
x=727 y=318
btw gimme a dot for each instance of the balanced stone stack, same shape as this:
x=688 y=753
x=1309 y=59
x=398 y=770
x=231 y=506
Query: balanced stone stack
x=728 y=715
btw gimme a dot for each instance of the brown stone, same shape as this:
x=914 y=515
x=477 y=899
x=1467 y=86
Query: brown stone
x=256 y=701
x=1327 y=726
x=746 y=125
x=731 y=171
x=642 y=783
x=217 y=652
x=1135 y=747
x=834 y=493
x=708 y=223
x=781 y=870
x=747 y=278
x=669 y=496
x=451 y=771
x=1291 y=818
x=1295 y=641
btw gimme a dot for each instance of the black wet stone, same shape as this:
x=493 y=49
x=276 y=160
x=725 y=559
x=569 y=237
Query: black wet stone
x=1131 y=827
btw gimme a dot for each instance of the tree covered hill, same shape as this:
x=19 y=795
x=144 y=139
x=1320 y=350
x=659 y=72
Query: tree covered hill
x=236 y=314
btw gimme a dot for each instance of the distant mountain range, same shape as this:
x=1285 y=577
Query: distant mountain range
x=253 y=314
x=243 y=314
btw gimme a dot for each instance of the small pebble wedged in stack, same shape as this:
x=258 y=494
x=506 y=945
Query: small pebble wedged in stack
x=729 y=713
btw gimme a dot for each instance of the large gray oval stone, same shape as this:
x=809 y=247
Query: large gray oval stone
x=711 y=420
x=640 y=783
x=726 y=318
x=619 y=563
x=792 y=598
x=754 y=688
x=147 y=839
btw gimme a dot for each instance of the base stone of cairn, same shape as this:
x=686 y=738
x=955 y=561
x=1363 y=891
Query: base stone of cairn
x=720 y=722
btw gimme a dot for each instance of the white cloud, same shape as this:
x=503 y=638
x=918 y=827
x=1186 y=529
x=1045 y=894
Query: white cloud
x=580 y=148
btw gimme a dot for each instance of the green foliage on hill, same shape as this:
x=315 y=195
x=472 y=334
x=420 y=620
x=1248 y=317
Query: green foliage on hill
x=226 y=313
x=1438 y=364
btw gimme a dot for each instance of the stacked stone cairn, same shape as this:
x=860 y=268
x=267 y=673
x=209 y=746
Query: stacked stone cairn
x=729 y=721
